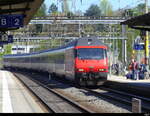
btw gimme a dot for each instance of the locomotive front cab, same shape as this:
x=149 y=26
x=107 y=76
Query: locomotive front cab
x=91 y=65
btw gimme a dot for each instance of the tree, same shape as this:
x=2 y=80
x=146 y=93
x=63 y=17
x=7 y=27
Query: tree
x=7 y=50
x=136 y=11
x=141 y=8
x=65 y=7
x=53 y=8
x=106 y=8
x=128 y=13
x=93 y=11
x=70 y=14
x=41 y=11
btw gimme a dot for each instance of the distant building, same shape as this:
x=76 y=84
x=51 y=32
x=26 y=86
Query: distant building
x=20 y=49
x=1 y=49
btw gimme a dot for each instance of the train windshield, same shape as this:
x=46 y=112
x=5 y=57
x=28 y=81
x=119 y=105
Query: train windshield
x=91 y=53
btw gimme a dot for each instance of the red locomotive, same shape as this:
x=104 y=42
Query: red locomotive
x=83 y=61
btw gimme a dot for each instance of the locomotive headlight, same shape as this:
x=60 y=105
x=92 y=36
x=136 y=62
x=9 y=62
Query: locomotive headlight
x=80 y=69
x=102 y=69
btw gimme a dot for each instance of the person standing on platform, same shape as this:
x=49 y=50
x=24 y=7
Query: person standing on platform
x=134 y=68
x=117 y=68
x=142 y=70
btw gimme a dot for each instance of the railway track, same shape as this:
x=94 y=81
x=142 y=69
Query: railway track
x=54 y=101
x=121 y=97
x=112 y=95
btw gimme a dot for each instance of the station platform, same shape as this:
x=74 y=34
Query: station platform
x=14 y=97
x=124 y=79
x=139 y=87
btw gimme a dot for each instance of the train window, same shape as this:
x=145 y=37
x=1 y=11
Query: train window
x=18 y=48
x=91 y=53
x=75 y=52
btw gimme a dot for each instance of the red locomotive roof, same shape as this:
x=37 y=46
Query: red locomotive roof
x=91 y=47
x=89 y=41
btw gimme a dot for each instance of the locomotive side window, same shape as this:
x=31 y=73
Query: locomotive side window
x=91 y=53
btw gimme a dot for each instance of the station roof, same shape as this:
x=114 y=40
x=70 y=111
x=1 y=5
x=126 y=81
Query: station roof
x=24 y=7
x=141 y=22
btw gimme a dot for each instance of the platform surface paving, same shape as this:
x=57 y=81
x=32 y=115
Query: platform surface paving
x=123 y=79
x=14 y=97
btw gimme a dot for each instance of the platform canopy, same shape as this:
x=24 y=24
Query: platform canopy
x=22 y=7
x=141 y=22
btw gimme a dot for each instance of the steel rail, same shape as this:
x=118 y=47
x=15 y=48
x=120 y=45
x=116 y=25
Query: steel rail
x=117 y=96
x=41 y=100
x=70 y=101
x=145 y=105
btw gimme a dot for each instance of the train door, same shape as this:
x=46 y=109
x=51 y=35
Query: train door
x=69 y=64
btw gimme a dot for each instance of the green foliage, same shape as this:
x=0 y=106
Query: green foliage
x=70 y=14
x=93 y=11
x=136 y=11
x=140 y=9
x=41 y=11
x=129 y=13
x=106 y=8
x=131 y=37
x=132 y=34
x=7 y=50
x=53 y=8
x=88 y=28
x=48 y=44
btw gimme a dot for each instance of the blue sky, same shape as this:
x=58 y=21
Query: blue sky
x=86 y=4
